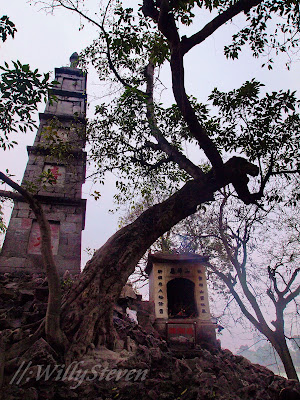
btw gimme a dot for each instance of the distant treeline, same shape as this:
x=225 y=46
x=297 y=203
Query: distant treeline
x=265 y=355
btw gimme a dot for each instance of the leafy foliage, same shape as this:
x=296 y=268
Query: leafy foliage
x=146 y=144
x=271 y=26
x=21 y=89
x=261 y=127
x=264 y=128
x=2 y=223
x=121 y=132
x=282 y=39
x=126 y=45
x=7 y=28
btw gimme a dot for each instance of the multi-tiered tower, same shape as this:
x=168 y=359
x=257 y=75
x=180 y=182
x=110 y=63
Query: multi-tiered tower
x=56 y=172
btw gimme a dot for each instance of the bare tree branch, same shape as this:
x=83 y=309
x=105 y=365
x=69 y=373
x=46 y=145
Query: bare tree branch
x=290 y=282
x=163 y=144
x=167 y=26
x=217 y=22
x=241 y=304
x=52 y=325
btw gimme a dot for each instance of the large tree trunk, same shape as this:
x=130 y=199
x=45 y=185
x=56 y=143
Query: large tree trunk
x=87 y=305
x=278 y=341
x=53 y=331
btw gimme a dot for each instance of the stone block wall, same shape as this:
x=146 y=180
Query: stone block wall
x=21 y=249
x=54 y=174
x=69 y=173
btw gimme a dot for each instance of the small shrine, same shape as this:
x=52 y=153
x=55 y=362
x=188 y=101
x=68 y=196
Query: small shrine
x=178 y=290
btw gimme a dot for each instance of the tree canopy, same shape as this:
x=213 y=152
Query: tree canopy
x=249 y=135
x=145 y=143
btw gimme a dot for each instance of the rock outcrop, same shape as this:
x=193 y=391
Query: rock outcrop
x=141 y=366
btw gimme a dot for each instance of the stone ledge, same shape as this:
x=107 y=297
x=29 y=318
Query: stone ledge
x=42 y=151
x=63 y=117
x=70 y=71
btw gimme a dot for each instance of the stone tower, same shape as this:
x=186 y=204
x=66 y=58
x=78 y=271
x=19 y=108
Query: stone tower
x=56 y=172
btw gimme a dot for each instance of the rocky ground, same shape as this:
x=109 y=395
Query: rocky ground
x=143 y=366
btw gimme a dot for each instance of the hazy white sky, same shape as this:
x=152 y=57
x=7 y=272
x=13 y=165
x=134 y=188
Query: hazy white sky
x=46 y=41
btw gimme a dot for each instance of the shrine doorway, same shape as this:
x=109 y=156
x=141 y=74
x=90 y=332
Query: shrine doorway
x=181 y=298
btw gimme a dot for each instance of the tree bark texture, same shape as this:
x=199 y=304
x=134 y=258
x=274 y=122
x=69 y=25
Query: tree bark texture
x=278 y=341
x=52 y=321
x=86 y=307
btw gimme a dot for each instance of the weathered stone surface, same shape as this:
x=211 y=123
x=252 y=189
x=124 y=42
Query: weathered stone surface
x=199 y=374
x=23 y=213
x=8 y=294
x=25 y=295
x=41 y=293
x=62 y=198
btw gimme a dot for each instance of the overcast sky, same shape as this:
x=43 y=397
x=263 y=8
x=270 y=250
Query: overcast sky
x=46 y=41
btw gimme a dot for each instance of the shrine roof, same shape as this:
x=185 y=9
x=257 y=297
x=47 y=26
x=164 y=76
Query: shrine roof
x=168 y=258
